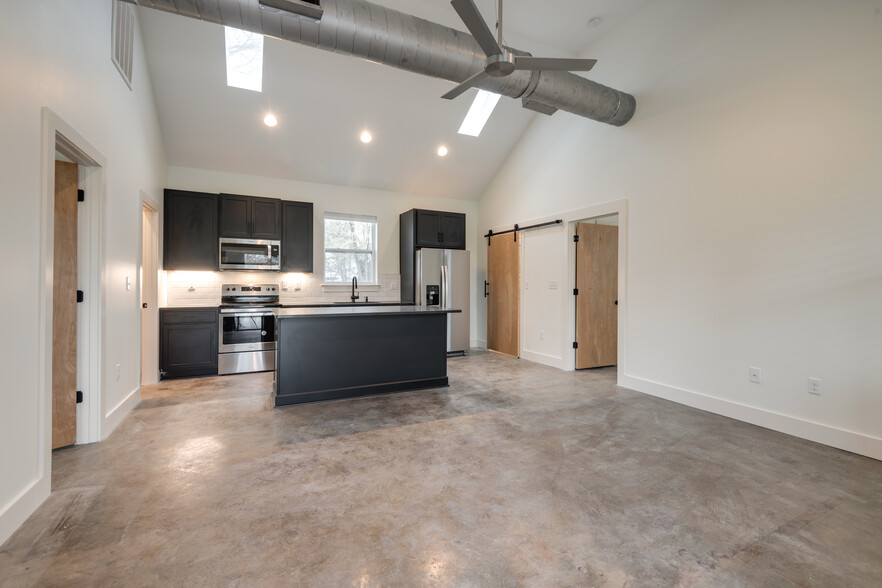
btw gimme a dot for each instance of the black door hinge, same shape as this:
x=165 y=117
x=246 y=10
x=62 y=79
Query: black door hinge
x=617 y=302
x=575 y=344
x=80 y=295
x=575 y=291
x=81 y=195
x=575 y=238
x=79 y=396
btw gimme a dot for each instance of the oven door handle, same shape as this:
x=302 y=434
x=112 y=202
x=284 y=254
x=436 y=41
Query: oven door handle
x=246 y=313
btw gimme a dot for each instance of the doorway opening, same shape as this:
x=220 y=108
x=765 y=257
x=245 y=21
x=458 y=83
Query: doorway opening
x=597 y=294
x=149 y=281
x=73 y=269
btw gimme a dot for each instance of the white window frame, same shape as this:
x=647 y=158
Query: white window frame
x=349 y=217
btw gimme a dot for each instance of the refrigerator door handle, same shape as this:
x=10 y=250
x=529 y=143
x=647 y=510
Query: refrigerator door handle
x=445 y=287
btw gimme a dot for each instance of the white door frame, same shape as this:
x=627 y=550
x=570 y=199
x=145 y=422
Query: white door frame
x=57 y=135
x=568 y=250
x=149 y=203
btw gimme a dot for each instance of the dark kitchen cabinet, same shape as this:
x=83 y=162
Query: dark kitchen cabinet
x=249 y=217
x=445 y=230
x=297 y=222
x=187 y=342
x=190 y=231
x=425 y=228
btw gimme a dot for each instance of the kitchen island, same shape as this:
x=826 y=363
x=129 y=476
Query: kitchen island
x=330 y=353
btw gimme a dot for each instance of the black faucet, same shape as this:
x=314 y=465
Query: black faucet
x=354 y=296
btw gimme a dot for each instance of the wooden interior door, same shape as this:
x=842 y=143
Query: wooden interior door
x=64 y=308
x=149 y=292
x=597 y=278
x=503 y=300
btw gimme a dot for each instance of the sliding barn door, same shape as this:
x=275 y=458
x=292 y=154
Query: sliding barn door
x=597 y=269
x=64 y=308
x=503 y=298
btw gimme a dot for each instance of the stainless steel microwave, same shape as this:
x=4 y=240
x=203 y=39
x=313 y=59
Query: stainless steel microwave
x=249 y=254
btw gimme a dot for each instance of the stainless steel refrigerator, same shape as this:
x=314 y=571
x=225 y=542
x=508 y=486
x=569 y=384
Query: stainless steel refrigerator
x=442 y=279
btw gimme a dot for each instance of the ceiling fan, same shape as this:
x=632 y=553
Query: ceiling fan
x=500 y=61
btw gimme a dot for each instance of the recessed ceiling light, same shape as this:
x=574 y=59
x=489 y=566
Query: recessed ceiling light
x=244 y=59
x=442 y=151
x=366 y=137
x=478 y=114
x=270 y=121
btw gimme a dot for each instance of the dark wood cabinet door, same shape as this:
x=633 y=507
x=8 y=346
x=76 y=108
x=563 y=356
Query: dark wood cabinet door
x=297 y=220
x=266 y=218
x=235 y=216
x=428 y=228
x=190 y=231
x=188 y=342
x=453 y=233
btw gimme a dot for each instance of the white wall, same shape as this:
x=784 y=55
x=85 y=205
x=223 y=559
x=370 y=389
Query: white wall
x=753 y=173
x=544 y=290
x=56 y=53
x=386 y=206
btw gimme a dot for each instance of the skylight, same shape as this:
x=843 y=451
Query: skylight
x=244 y=59
x=478 y=114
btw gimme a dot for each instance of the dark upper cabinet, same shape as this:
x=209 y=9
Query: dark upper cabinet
x=249 y=217
x=187 y=342
x=297 y=220
x=190 y=231
x=434 y=228
x=266 y=218
x=453 y=234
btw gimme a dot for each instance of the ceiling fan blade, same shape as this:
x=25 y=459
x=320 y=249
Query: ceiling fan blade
x=474 y=22
x=464 y=86
x=554 y=64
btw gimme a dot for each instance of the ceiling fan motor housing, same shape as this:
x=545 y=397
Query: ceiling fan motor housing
x=500 y=65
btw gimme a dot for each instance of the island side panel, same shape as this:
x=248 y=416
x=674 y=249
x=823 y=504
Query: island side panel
x=326 y=357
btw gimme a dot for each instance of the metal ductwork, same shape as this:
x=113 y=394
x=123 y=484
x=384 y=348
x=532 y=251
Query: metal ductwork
x=382 y=35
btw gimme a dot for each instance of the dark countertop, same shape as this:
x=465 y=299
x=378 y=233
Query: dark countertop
x=359 y=310
x=344 y=304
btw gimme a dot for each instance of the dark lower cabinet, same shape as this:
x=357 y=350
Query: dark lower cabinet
x=187 y=342
x=297 y=237
x=190 y=231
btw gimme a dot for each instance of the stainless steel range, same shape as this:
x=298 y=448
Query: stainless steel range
x=247 y=328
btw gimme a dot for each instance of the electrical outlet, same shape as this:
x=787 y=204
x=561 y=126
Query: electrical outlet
x=117 y=372
x=393 y=286
x=756 y=375
x=814 y=386
x=552 y=284
x=128 y=282
x=542 y=335
x=297 y=286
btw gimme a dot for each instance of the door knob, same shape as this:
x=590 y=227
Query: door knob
x=144 y=305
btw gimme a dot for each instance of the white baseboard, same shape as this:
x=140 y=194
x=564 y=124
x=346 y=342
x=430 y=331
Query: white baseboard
x=119 y=412
x=544 y=359
x=480 y=344
x=813 y=431
x=22 y=506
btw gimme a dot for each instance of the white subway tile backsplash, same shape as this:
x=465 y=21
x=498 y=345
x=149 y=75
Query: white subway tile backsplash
x=204 y=288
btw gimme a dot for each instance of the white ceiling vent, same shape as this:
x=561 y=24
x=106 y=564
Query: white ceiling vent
x=123 y=39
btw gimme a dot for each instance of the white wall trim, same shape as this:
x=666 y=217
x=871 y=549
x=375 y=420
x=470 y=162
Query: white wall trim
x=118 y=413
x=543 y=358
x=783 y=423
x=17 y=510
x=479 y=343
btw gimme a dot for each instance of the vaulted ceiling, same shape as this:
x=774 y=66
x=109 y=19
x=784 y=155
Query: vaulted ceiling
x=323 y=101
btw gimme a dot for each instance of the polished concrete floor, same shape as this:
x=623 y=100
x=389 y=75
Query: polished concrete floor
x=515 y=475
